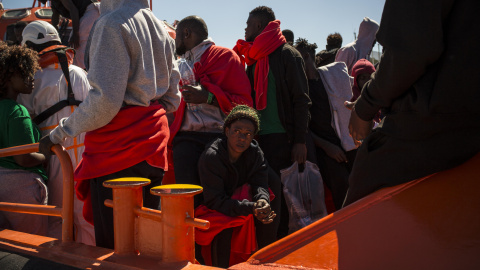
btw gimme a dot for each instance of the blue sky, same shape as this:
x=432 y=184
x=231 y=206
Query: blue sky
x=226 y=20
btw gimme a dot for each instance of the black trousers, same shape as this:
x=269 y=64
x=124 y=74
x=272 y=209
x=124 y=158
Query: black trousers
x=335 y=175
x=103 y=216
x=187 y=149
x=278 y=153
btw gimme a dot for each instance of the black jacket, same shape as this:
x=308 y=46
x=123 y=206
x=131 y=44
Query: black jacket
x=325 y=57
x=219 y=177
x=288 y=68
x=427 y=81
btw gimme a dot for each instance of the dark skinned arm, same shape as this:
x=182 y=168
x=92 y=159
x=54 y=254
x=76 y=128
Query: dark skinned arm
x=72 y=9
x=29 y=160
x=332 y=150
x=197 y=95
x=55 y=18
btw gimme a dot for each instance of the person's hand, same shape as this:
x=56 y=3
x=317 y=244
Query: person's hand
x=45 y=146
x=263 y=212
x=336 y=153
x=359 y=129
x=194 y=94
x=299 y=153
x=75 y=41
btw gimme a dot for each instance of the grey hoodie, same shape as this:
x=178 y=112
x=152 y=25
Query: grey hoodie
x=360 y=48
x=131 y=61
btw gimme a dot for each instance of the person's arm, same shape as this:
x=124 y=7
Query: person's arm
x=29 y=160
x=74 y=14
x=55 y=18
x=332 y=150
x=212 y=174
x=297 y=83
x=258 y=175
x=108 y=77
x=196 y=94
x=410 y=46
x=225 y=79
x=258 y=180
x=21 y=132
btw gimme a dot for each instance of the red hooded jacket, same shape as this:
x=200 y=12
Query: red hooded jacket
x=361 y=67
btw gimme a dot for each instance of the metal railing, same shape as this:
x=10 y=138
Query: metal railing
x=66 y=211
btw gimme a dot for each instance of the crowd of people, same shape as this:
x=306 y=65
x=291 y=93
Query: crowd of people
x=118 y=104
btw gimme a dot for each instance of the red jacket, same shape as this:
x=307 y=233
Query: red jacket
x=135 y=134
x=221 y=72
x=361 y=67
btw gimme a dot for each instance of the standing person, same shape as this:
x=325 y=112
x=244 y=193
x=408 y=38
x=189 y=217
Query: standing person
x=276 y=72
x=327 y=56
x=288 y=34
x=83 y=14
x=51 y=87
x=22 y=176
x=360 y=48
x=222 y=84
x=429 y=97
x=18 y=29
x=332 y=158
x=361 y=73
x=134 y=83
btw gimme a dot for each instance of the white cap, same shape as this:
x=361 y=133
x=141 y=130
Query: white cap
x=40 y=32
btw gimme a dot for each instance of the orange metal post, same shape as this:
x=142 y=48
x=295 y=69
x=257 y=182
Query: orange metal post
x=68 y=188
x=127 y=196
x=178 y=221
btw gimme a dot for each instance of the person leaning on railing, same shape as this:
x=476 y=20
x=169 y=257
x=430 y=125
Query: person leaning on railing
x=22 y=177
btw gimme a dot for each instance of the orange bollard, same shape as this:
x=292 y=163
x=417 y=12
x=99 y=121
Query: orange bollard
x=178 y=221
x=127 y=196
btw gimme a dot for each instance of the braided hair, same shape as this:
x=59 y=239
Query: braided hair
x=302 y=45
x=16 y=59
x=242 y=112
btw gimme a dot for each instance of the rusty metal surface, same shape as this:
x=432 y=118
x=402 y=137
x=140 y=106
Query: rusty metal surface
x=431 y=223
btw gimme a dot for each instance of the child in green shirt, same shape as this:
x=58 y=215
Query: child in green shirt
x=22 y=177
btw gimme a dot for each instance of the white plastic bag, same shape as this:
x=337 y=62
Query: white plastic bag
x=304 y=195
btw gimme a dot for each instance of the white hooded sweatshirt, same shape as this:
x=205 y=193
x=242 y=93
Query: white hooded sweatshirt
x=360 y=48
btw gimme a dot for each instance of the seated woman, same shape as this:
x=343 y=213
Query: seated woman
x=22 y=177
x=232 y=169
